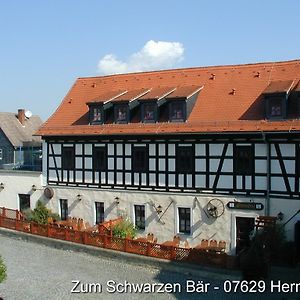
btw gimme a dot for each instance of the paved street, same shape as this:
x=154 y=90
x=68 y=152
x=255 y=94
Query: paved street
x=40 y=272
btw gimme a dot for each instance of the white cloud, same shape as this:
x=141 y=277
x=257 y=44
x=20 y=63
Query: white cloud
x=153 y=56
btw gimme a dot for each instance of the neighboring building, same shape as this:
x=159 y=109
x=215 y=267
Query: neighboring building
x=19 y=148
x=199 y=152
x=20 y=189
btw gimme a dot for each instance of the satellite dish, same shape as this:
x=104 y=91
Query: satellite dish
x=28 y=114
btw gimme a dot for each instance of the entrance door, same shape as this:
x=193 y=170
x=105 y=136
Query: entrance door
x=243 y=228
x=24 y=202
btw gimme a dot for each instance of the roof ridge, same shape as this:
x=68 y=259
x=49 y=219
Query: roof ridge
x=193 y=68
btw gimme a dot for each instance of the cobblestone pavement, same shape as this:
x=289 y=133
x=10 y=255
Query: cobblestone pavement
x=40 y=272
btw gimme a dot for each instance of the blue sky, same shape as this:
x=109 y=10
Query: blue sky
x=46 y=45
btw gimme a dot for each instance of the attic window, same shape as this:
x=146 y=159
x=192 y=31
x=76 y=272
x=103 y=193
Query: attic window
x=275 y=107
x=149 y=112
x=177 y=111
x=121 y=113
x=276 y=96
x=96 y=114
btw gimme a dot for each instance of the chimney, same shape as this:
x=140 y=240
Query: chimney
x=21 y=116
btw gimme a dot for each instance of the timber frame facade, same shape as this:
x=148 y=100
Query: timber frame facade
x=274 y=172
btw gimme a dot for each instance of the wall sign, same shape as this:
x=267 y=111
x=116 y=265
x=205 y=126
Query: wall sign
x=245 y=205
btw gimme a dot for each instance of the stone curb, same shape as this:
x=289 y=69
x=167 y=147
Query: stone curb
x=127 y=258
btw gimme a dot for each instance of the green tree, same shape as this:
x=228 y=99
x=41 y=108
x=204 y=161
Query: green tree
x=2 y=270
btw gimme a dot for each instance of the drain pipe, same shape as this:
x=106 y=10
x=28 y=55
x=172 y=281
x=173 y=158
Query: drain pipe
x=268 y=173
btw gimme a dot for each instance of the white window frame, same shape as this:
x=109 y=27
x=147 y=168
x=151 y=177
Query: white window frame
x=1 y=153
x=177 y=220
x=146 y=214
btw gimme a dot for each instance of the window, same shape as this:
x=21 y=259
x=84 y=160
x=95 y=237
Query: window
x=99 y=159
x=149 y=112
x=1 y=154
x=177 y=111
x=96 y=115
x=275 y=107
x=243 y=160
x=99 y=208
x=139 y=216
x=184 y=159
x=24 y=202
x=64 y=209
x=68 y=158
x=184 y=217
x=121 y=113
x=139 y=159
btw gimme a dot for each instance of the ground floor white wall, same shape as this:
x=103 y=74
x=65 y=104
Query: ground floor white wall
x=164 y=225
x=20 y=182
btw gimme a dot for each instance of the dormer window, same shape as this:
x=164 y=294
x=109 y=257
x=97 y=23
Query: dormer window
x=276 y=96
x=181 y=102
x=96 y=114
x=121 y=113
x=275 y=108
x=177 y=111
x=149 y=112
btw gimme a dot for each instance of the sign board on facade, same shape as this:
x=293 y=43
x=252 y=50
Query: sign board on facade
x=245 y=205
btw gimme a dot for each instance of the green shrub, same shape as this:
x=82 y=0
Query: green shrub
x=2 y=270
x=40 y=214
x=124 y=229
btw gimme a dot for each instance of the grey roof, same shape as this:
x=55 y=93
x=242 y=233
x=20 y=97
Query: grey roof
x=17 y=134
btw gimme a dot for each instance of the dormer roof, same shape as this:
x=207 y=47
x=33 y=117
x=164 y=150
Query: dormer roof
x=279 y=86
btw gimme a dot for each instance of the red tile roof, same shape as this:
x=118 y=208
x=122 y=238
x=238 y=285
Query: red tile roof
x=231 y=100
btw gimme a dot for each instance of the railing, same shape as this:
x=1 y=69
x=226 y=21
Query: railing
x=106 y=227
x=10 y=213
x=11 y=219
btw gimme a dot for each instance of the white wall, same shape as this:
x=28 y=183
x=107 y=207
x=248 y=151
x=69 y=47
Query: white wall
x=203 y=227
x=19 y=182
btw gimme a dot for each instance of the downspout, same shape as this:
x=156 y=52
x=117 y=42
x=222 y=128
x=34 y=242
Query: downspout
x=267 y=143
x=268 y=178
x=15 y=156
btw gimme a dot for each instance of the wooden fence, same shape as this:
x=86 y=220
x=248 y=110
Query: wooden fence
x=11 y=219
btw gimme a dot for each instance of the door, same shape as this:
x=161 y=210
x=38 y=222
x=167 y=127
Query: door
x=244 y=226
x=24 y=202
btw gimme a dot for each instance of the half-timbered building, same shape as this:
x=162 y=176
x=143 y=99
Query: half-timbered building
x=196 y=152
